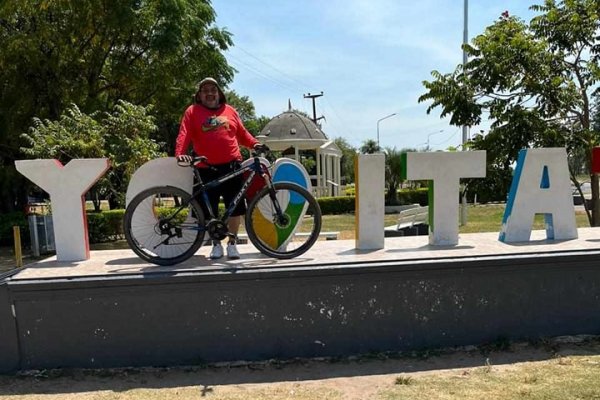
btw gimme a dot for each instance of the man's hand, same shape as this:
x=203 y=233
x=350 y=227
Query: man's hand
x=184 y=158
x=260 y=148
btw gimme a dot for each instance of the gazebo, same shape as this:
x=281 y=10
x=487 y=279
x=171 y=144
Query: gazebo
x=293 y=133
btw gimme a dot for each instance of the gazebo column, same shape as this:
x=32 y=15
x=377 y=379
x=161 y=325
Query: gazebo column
x=338 y=178
x=329 y=176
x=318 y=188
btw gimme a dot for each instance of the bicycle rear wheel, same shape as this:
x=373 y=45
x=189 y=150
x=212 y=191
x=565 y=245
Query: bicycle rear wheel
x=283 y=223
x=161 y=231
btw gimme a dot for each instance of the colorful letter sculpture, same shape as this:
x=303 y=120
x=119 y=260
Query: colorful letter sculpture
x=66 y=186
x=277 y=237
x=540 y=185
x=444 y=170
x=369 y=171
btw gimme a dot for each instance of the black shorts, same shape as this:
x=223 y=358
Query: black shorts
x=228 y=189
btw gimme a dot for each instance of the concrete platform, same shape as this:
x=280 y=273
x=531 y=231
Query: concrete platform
x=115 y=310
x=329 y=254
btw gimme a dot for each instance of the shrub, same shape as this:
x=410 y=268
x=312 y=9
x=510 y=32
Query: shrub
x=336 y=205
x=105 y=226
x=413 y=196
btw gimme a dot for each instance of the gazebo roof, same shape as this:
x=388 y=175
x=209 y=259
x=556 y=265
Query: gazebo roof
x=291 y=125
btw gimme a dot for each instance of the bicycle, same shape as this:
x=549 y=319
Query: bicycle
x=165 y=225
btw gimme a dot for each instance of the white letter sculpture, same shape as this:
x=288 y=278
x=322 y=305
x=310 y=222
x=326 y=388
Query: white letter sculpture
x=444 y=170
x=369 y=173
x=159 y=172
x=540 y=185
x=66 y=186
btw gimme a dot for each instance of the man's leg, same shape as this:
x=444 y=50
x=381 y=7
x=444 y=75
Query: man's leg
x=233 y=224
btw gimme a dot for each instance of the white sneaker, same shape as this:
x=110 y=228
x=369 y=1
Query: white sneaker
x=216 y=252
x=232 y=251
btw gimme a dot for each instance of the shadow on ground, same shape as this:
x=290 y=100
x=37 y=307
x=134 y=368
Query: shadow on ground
x=210 y=375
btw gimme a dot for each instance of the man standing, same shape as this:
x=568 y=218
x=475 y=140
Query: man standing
x=215 y=131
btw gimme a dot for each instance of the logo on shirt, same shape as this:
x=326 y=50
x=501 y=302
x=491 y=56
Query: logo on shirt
x=215 y=122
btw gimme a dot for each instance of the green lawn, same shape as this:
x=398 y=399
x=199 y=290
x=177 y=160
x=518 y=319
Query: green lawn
x=480 y=218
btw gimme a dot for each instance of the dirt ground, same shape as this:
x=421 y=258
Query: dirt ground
x=349 y=378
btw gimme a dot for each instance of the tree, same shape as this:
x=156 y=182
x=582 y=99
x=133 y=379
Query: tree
x=370 y=146
x=256 y=124
x=393 y=173
x=242 y=104
x=347 y=162
x=95 y=53
x=123 y=136
x=535 y=80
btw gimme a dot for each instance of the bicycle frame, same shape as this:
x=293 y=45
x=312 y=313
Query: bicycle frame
x=201 y=192
x=270 y=225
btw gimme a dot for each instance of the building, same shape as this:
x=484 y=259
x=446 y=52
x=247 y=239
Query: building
x=297 y=136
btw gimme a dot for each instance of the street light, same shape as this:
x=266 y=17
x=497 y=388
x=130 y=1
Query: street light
x=378 y=121
x=431 y=134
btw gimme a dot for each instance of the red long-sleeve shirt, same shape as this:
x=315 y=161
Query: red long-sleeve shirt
x=214 y=134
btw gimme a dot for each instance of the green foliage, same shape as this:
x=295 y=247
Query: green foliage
x=350 y=190
x=370 y=146
x=105 y=226
x=337 y=205
x=128 y=130
x=256 y=125
x=242 y=104
x=123 y=136
x=73 y=135
x=493 y=188
x=7 y=221
x=413 y=196
x=348 y=158
x=393 y=173
x=93 y=54
x=535 y=80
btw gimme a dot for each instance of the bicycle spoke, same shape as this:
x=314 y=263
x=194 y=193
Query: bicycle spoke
x=289 y=233
x=161 y=232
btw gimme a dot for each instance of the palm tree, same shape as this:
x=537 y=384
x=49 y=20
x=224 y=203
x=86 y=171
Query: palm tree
x=370 y=146
x=393 y=170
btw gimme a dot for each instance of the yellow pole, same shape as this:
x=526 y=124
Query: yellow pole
x=18 y=254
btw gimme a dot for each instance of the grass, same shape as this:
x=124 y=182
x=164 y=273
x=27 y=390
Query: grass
x=573 y=377
x=480 y=218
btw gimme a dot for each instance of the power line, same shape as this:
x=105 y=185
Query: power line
x=261 y=74
x=291 y=78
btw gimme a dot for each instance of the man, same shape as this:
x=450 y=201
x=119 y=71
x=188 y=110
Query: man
x=215 y=131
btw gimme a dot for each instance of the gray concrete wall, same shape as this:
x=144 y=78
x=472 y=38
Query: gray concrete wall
x=190 y=318
x=9 y=347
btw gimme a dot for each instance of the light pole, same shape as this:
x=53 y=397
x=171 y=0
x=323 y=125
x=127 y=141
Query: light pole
x=378 y=121
x=431 y=134
x=465 y=132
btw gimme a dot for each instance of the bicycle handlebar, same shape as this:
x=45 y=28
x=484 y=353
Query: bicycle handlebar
x=256 y=152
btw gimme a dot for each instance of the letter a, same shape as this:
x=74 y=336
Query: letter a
x=540 y=186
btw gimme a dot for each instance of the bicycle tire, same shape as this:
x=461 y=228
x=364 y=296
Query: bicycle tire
x=292 y=238
x=151 y=243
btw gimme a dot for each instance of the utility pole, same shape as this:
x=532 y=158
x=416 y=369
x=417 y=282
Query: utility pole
x=313 y=97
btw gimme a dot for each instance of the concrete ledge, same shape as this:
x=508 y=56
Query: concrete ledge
x=147 y=316
x=243 y=238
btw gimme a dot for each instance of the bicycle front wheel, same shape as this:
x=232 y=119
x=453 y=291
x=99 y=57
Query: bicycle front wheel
x=283 y=222
x=163 y=225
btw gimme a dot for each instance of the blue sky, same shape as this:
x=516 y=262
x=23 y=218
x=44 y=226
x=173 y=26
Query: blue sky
x=368 y=57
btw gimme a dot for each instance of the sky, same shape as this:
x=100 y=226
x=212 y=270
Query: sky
x=369 y=58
